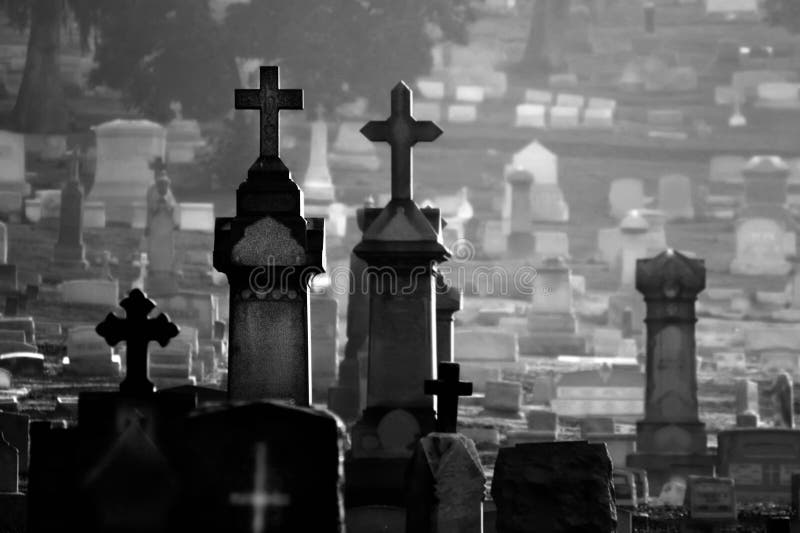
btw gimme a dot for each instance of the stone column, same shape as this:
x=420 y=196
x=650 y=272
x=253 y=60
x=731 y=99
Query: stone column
x=520 y=239
x=269 y=250
x=671 y=439
x=448 y=302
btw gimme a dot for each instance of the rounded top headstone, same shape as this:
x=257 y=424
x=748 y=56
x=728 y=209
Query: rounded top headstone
x=129 y=128
x=634 y=222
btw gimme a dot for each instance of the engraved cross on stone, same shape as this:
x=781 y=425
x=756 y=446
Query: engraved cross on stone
x=269 y=99
x=447 y=388
x=260 y=500
x=402 y=132
x=137 y=330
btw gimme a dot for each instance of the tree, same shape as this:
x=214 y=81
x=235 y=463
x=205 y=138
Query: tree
x=340 y=49
x=40 y=105
x=160 y=51
x=784 y=13
x=154 y=51
x=544 y=48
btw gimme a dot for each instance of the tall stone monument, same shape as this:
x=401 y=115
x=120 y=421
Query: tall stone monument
x=269 y=251
x=69 y=252
x=402 y=240
x=671 y=439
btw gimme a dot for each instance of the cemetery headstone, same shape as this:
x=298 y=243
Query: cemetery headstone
x=625 y=195
x=539 y=483
x=675 y=197
x=268 y=326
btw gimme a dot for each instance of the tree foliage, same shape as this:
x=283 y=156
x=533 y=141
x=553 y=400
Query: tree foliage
x=784 y=13
x=340 y=49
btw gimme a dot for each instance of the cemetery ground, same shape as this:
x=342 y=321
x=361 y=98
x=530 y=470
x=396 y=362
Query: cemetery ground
x=473 y=156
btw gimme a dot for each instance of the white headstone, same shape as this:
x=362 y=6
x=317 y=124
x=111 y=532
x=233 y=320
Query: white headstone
x=746 y=82
x=606 y=341
x=462 y=113
x=485 y=345
x=183 y=138
x=602 y=103
x=760 y=248
x=723 y=7
x=317 y=182
x=430 y=89
x=624 y=195
x=12 y=162
x=125 y=150
x=530 y=116
x=197 y=217
x=469 y=93
x=779 y=95
x=538 y=160
x=675 y=197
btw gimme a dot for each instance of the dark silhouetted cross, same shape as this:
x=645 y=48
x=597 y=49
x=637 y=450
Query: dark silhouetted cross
x=137 y=330
x=447 y=389
x=402 y=132
x=269 y=99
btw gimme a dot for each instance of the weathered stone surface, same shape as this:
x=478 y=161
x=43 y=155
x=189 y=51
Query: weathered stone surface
x=446 y=485
x=560 y=487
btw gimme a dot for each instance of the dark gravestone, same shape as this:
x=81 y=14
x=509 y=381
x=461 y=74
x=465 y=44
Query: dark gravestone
x=445 y=486
x=269 y=240
x=15 y=427
x=8 y=279
x=263 y=464
x=11 y=306
x=562 y=487
x=12 y=503
x=9 y=466
x=69 y=251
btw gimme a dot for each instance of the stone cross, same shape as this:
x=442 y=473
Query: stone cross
x=269 y=99
x=447 y=388
x=402 y=132
x=260 y=500
x=137 y=330
x=158 y=166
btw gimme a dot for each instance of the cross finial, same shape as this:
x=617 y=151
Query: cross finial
x=260 y=500
x=269 y=99
x=447 y=388
x=158 y=166
x=137 y=330
x=402 y=132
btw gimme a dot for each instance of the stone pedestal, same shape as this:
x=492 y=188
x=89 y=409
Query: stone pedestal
x=520 y=240
x=551 y=320
x=269 y=251
x=671 y=439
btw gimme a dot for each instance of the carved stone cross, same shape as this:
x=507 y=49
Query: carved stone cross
x=158 y=166
x=260 y=500
x=402 y=132
x=269 y=99
x=137 y=329
x=447 y=388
